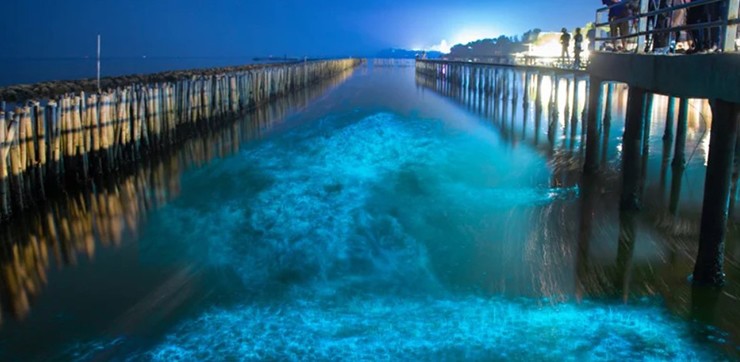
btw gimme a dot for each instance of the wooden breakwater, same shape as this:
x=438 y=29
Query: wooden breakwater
x=63 y=141
x=66 y=230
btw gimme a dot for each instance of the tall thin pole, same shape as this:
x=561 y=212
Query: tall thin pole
x=98 y=63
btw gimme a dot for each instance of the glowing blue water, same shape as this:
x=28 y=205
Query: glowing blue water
x=383 y=221
x=329 y=229
x=372 y=327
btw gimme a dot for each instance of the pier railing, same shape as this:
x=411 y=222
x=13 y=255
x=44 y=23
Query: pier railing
x=715 y=21
x=555 y=62
x=65 y=140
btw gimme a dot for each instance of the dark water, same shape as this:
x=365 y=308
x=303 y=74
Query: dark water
x=380 y=216
x=34 y=70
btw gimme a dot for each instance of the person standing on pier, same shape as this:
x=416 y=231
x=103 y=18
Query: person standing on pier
x=696 y=15
x=618 y=27
x=577 y=48
x=565 y=42
x=715 y=12
x=678 y=19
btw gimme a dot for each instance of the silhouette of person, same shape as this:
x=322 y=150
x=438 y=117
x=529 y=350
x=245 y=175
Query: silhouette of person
x=577 y=48
x=565 y=42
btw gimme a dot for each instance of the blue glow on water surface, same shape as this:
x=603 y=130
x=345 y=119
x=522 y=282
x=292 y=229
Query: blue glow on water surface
x=376 y=327
x=380 y=221
x=331 y=244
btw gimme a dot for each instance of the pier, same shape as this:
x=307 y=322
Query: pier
x=553 y=195
x=707 y=76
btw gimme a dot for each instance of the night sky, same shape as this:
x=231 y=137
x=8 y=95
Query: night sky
x=230 y=28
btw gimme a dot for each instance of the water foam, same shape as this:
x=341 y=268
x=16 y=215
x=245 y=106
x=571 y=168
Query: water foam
x=344 y=275
x=389 y=328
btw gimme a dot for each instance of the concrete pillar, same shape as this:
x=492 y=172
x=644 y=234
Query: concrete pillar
x=514 y=87
x=631 y=150
x=606 y=131
x=574 y=113
x=590 y=196
x=592 y=138
x=566 y=112
x=679 y=154
x=704 y=302
x=665 y=160
x=608 y=106
x=525 y=119
x=538 y=109
x=735 y=175
x=676 y=179
x=670 y=115
x=647 y=115
x=552 y=111
x=709 y=261
x=625 y=251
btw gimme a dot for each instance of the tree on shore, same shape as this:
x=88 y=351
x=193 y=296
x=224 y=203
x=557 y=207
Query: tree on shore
x=501 y=46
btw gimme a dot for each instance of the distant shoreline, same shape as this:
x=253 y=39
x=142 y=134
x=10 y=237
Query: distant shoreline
x=49 y=89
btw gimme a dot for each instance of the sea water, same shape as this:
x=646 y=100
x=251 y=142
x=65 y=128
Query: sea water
x=380 y=222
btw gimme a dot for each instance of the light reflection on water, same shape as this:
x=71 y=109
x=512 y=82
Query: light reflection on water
x=382 y=221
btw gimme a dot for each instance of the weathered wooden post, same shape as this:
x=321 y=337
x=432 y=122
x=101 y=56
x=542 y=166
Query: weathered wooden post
x=4 y=182
x=40 y=147
x=633 y=132
x=591 y=163
x=15 y=162
x=709 y=261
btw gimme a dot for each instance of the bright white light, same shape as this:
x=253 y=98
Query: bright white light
x=443 y=47
x=551 y=48
x=463 y=37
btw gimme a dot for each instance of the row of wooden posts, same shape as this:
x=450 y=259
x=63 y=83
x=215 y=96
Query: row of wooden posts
x=51 y=143
x=67 y=229
x=495 y=93
x=724 y=153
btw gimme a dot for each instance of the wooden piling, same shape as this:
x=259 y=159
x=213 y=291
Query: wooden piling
x=77 y=135
x=5 y=201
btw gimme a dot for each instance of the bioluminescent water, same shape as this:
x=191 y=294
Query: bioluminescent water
x=381 y=216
